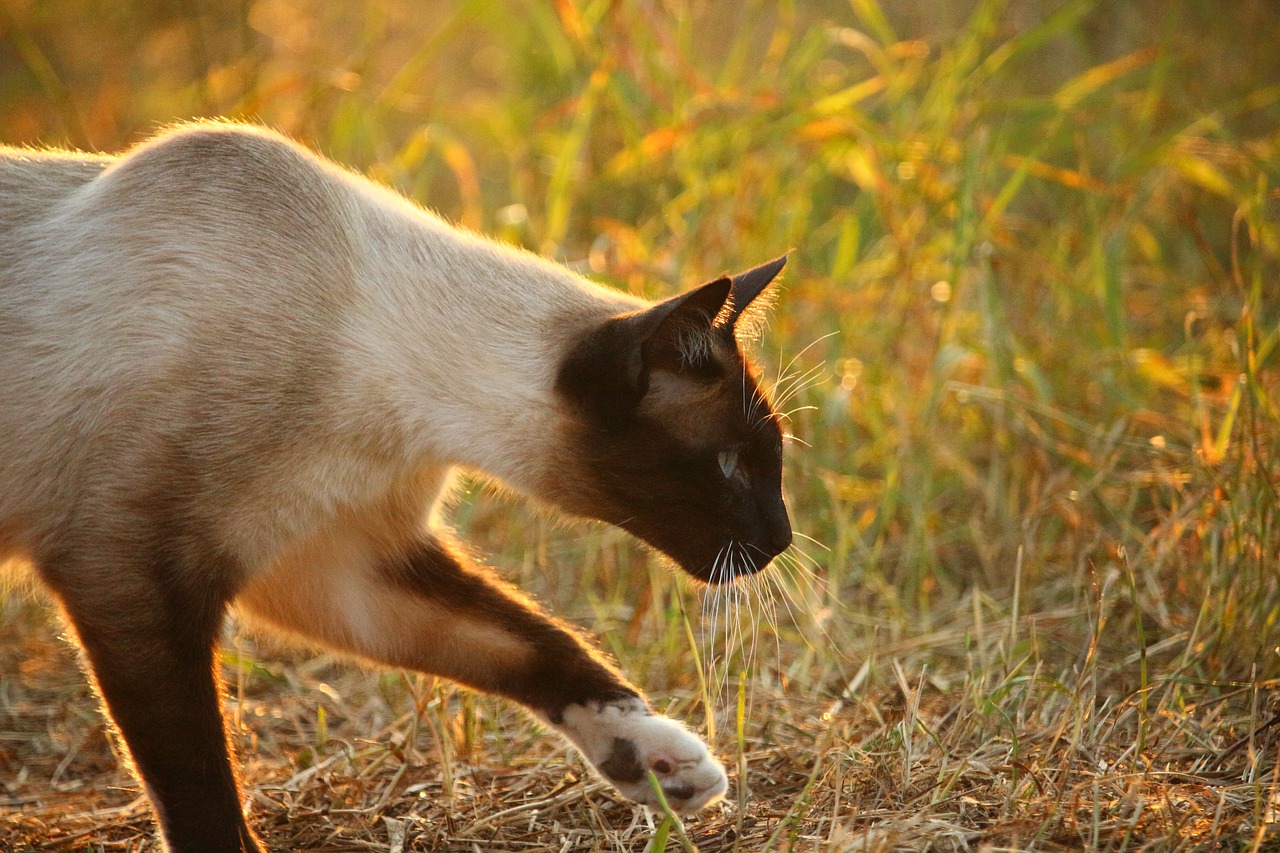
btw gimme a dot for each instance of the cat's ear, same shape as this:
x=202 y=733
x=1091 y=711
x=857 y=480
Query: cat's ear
x=679 y=331
x=607 y=373
x=747 y=287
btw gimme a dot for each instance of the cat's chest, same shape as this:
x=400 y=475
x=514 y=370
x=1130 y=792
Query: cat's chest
x=324 y=497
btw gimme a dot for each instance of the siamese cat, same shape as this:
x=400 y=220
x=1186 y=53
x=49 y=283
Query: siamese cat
x=234 y=374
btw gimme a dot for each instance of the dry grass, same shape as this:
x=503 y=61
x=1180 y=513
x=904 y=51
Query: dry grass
x=1028 y=343
x=997 y=756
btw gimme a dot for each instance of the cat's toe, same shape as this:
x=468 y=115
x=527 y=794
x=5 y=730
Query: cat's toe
x=627 y=743
x=692 y=789
x=685 y=796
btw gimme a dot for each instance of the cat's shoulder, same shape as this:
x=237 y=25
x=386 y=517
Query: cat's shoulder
x=219 y=153
x=210 y=143
x=247 y=183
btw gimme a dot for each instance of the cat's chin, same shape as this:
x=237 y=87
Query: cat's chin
x=725 y=566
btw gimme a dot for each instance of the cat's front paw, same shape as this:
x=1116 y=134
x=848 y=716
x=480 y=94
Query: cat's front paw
x=624 y=741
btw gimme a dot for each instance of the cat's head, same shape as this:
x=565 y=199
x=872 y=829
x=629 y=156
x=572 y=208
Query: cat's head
x=669 y=435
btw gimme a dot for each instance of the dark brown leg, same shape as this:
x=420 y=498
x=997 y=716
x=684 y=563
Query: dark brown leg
x=434 y=611
x=148 y=631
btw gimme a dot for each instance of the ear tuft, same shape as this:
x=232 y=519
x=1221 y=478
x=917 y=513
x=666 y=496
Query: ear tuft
x=681 y=340
x=607 y=373
x=746 y=290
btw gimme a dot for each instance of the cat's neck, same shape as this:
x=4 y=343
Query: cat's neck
x=465 y=337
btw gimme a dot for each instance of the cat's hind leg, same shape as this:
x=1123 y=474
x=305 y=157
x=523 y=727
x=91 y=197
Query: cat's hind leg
x=148 y=623
x=432 y=610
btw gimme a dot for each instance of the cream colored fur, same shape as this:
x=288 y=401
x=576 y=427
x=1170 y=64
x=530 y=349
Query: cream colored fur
x=337 y=350
x=140 y=277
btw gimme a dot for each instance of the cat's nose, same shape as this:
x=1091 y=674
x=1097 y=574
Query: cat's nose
x=780 y=538
x=777 y=533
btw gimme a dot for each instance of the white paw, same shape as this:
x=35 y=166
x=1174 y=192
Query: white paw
x=624 y=741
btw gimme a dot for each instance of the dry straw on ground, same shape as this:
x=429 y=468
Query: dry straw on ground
x=337 y=758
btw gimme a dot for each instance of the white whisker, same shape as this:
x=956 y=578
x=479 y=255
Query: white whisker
x=788 y=598
x=789 y=412
x=797 y=384
x=797 y=356
x=715 y=569
x=808 y=538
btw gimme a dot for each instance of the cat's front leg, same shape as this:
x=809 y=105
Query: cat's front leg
x=624 y=741
x=431 y=609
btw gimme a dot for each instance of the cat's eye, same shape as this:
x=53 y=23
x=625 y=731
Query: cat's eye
x=728 y=463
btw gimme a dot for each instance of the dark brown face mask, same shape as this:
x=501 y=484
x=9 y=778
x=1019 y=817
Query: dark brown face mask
x=673 y=439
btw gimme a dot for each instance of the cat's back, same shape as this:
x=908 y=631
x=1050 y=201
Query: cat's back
x=192 y=285
x=249 y=183
x=34 y=181
x=165 y=248
x=215 y=196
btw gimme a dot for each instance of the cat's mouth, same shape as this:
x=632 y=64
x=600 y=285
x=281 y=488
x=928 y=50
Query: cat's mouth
x=736 y=559
x=717 y=557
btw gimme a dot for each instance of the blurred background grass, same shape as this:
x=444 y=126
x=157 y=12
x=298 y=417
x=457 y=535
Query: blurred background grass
x=1028 y=334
